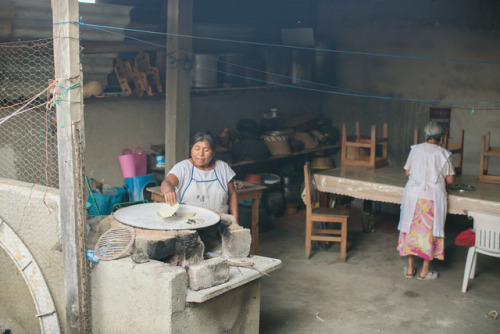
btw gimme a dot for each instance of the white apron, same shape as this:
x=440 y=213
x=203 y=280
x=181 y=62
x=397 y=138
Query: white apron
x=208 y=194
x=417 y=183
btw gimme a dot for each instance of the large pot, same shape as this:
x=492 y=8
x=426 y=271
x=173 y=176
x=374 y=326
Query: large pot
x=204 y=72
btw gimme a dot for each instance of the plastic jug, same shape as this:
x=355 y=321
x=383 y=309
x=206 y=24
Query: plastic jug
x=141 y=165
x=127 y=163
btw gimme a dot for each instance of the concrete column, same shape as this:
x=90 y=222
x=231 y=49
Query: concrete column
x=178 y=83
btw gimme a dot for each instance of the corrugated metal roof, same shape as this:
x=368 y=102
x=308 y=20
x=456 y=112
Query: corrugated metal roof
x=32 y=20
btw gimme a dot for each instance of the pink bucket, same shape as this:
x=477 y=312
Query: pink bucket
x=141 y=166
x=127 y=163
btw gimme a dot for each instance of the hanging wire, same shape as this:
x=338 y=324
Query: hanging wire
x=331 y=89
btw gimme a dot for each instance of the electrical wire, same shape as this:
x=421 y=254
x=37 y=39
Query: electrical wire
x=331 y=89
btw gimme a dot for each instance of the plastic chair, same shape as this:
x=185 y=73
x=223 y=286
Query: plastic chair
x=323 y=215
x=487 y=227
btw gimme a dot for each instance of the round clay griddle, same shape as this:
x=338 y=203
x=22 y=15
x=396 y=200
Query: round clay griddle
x=145 y=216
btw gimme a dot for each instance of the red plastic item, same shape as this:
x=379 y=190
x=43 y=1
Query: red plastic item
x=466 y=238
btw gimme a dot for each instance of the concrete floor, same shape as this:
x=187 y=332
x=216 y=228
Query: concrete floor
x=368 y=293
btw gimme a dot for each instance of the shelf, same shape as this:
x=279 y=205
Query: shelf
x=281 y=156
x=236 y=89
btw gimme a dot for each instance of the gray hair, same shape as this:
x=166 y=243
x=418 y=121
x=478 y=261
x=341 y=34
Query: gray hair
x=433 y=130
x=201 y=136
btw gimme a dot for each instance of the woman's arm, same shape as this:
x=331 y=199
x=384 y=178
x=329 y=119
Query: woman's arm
x=168 y=189
x=233 y=200
x=450 y=179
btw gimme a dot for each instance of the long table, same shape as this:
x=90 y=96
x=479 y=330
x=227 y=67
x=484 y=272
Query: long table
x=386 y=184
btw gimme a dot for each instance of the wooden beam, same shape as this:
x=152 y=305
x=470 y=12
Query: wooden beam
x=70 y=137
x=178 y=82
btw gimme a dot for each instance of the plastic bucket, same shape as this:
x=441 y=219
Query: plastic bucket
x=127 y=163
x=141 y=164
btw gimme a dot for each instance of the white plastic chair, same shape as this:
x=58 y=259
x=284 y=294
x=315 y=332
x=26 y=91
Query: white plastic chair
x=487 y=228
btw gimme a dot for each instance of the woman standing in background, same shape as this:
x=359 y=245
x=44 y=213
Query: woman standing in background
x=424 y=203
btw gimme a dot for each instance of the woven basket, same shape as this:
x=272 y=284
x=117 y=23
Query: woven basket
x=278 y=147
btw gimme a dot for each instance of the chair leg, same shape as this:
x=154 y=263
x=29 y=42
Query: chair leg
x=473 y=269
x=468 y=267
x=308 y=237
x=343 y=242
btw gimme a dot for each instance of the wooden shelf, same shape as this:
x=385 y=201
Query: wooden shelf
x=270 y=86
x=281 y=156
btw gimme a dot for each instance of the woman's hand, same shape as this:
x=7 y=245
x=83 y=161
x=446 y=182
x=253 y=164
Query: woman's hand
x=170 y=197
x=233 y=200
x=168 y=189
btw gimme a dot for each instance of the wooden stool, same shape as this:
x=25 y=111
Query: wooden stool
x=126 y=75
x=454 y=148
x=359 y=143
x=142 y=64
x=486 y=152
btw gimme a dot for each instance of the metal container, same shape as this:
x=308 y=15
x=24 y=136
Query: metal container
x=204 y=72
x=233 y=70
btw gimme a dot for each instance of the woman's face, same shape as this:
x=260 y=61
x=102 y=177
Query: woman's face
x=202 y=153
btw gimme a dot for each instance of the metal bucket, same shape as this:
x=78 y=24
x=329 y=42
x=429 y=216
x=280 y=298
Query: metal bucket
x=204 y=72
x=233 y=70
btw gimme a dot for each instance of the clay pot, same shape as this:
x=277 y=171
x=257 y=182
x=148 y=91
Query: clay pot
x=253 y=178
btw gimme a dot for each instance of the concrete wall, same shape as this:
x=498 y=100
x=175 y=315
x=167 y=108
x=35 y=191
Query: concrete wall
x=22 y=207
x=112 y=124
x=151 y=298
x=436 y=29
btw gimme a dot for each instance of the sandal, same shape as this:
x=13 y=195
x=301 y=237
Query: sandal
x=412 y=274
x=430 y=276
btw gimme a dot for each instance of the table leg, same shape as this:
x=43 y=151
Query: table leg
x=255 y=226
x=367 y=216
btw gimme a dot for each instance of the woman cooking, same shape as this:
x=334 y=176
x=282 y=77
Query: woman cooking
x=424 y=203
x=202 y=181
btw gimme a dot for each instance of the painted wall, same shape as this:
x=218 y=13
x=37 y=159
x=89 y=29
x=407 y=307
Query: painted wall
x=434 y=29
x=461 y=30
x=31 y=211
x=112 y=124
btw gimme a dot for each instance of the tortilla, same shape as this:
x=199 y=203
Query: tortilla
x=186 y=215
x=168 y=210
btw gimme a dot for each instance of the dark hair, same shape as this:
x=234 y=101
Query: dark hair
x=201 y=136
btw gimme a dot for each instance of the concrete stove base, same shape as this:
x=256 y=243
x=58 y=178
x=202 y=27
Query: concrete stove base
x=154 y=297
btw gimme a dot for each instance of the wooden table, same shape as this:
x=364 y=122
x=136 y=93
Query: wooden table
x=249 y=191
x=386 y=184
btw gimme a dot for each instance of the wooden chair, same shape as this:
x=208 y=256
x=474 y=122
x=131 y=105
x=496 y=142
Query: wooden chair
x=486 y=152
x=454 y=148
x=141 y=64
x=328 y=216
x=359 y=143
x=487 y=228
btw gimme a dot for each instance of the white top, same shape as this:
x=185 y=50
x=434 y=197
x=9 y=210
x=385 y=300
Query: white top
x=203 y=188
x=427 y=166
x=447 y=169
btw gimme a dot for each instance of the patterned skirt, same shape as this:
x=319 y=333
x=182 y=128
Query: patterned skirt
x=419 y=241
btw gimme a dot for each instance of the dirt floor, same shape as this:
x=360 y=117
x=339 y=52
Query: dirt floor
x=369 y=293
